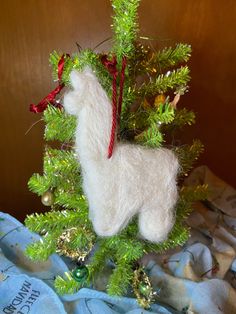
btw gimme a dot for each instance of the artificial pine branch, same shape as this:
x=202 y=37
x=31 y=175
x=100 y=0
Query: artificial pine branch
x=53 y=220
x=194 y=193
x=188 y=154
x=99 y=259
x=81 y=238
x=165 y=113
x=42 y=249
x=57 y=120
x=66 y=285
x=182 y=117
x=130 y=249
x=152 y=137
x=39 y=184
x=60 y=162
x=71 y=200
x=152 y=120
x=125 y=27
x=169 y=57
x=163 y=83
x=120 y=279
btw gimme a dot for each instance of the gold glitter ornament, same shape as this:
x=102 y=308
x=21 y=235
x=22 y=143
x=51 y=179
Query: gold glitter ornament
x=143 y=289
x=47 y=198
x=159 y=100
x=64 y=249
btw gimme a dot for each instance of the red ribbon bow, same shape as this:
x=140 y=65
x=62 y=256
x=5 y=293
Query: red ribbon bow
x=50 y=98
x=111 y=66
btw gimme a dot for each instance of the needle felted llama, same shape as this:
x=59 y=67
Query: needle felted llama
x=135 y=180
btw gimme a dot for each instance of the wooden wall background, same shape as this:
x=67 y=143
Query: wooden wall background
x=31 y=29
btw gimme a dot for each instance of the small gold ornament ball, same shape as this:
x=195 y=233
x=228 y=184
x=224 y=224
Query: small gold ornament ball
x=47 y=198
x=160 y=99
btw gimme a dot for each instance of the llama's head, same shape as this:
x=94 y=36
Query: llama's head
x=82 y=83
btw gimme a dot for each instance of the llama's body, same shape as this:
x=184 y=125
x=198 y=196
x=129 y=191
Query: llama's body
x=135 y=180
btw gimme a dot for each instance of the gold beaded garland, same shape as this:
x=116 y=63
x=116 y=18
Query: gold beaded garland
x=75 y=254
x=142 y=288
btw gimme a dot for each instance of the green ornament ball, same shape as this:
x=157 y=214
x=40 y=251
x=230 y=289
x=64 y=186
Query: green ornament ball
x=144 y=289
x=80 y=274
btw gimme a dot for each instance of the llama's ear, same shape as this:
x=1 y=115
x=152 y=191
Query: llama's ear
x=75 y=79
x=70 y=103
x=89 y=72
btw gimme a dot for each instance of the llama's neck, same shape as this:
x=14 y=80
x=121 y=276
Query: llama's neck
x=94 y=128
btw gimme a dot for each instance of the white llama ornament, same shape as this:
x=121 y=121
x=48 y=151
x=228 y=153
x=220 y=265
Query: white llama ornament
x=135 y=180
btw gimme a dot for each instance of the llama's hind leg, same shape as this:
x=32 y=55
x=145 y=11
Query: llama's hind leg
x=155 y=222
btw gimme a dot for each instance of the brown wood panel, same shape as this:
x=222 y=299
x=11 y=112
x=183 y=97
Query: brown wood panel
x=31 y=29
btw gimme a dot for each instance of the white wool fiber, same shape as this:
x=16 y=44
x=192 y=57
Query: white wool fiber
x=135 y=180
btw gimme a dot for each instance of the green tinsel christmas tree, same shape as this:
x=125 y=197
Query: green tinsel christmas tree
x=148 y=118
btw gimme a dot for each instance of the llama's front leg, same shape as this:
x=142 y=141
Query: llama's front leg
x=108 y=221
x=155 y=222
x=103 y=221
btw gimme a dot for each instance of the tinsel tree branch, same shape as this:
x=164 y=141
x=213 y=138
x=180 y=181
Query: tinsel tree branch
x=56 y=120
x=61 y=161
x=54 y=220
x=182 y=117
x=188 y=154
x=194 y=193
x=66 y=285
x=120 y=280
x=163 y=83
x=169 y=57
x=153 y=136
x=39 y=184
x=125 y=27
x=42 y=249
x=70 y=200
x=146 y=61
x=100 y=257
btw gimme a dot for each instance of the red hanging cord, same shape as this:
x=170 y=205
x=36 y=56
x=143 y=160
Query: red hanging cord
x=111 y=66
x=50 y=98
